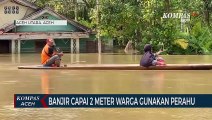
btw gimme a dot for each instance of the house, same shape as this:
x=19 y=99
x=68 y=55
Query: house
x=73 y=37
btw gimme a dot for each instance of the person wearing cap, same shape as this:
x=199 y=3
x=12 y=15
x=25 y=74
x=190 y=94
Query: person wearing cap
x=50 y=57
x=151 y=59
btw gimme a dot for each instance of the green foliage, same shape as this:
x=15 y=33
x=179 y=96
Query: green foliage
x=200 y=39
x=86 y=23
x=118 y=19
x=68 y=7
x=141 y=21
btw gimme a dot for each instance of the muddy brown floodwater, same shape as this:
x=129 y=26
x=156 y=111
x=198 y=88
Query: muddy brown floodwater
x=15 y=81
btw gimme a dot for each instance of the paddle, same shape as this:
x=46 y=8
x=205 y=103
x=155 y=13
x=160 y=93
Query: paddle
x=161 y=48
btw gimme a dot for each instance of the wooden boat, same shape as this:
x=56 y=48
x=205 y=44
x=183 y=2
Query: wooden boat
x=123 y=67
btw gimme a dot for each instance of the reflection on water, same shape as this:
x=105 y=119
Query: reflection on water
x=45 y=83
x=14 y=81
x=105 y=114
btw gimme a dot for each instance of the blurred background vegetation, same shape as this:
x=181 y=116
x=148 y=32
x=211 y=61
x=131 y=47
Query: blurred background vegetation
x=142 y=22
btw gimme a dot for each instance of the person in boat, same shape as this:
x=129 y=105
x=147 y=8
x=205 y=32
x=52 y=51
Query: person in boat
x=51 y=56
x=151 y=59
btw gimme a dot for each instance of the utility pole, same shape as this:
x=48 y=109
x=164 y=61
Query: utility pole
x=98 y=29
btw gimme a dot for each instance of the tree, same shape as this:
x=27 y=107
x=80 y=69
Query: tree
x=142 y=21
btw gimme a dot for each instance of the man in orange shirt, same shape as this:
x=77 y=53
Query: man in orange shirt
x=50 y=57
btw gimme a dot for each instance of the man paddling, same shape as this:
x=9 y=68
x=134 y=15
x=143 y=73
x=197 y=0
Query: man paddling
x=151 y=59
x=50 y=56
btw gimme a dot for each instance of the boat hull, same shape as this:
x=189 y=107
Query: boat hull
x=123 y=67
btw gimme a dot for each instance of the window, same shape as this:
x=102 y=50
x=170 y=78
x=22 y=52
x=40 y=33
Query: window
x=11 y=9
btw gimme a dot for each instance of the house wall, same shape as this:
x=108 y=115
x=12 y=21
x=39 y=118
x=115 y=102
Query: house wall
x=27 y=46
x=82 y=43
x=7 y=19
x=63 y=44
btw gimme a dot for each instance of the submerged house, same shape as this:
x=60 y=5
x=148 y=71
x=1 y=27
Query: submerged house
x=73 y=37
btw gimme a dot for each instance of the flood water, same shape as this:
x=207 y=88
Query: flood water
x=14 y=81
